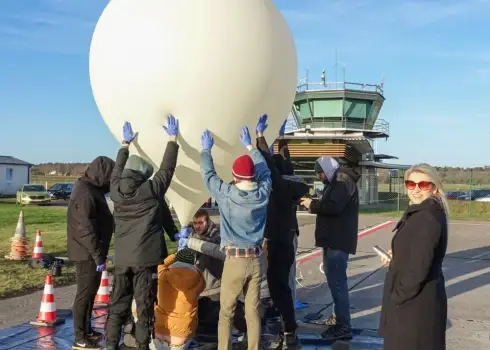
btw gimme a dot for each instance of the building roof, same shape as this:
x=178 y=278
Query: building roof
x=8 y=160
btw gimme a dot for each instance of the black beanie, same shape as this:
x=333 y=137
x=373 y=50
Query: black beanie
x=185 y=255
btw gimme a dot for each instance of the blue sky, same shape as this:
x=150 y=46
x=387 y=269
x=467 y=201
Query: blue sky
x=434 y=57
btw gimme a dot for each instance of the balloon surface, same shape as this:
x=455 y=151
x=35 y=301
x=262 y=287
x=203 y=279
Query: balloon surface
x=214 y=64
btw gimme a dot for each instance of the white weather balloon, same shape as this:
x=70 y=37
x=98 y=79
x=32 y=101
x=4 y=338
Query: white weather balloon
x=214 y=64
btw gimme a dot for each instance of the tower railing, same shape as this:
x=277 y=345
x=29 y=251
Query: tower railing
x=380 y=125
x=340 y=86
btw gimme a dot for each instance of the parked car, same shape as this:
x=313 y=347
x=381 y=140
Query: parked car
x=475 y=194
x=455 y=194
x=33 y=194
x=483 y=199
x=61 y=191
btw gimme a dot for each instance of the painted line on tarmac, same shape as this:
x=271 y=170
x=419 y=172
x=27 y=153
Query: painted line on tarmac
x=309 y=256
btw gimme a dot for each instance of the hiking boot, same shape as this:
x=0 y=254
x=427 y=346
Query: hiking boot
x=85 y=344
x=291 y=341
x=337 y=332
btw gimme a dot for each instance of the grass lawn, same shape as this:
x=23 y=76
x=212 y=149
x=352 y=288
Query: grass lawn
x=16 y=278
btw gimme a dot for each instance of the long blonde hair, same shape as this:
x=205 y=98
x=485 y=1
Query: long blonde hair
x=428 y=170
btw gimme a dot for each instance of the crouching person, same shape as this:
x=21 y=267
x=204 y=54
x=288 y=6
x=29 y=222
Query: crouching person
x=179 y=284
x=139 y=244
x=243 y=209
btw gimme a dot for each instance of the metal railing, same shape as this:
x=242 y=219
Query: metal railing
x=340 y=86
x=381 y=125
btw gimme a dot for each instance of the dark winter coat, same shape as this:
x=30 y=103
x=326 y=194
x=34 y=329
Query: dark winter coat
x=289 y=171
x=138 y=208
x=281 y=218
x=89 y=221
x=337 y=213
x=414 y=311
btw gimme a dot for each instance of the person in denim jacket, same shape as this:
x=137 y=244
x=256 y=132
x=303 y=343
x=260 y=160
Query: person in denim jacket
x=243 y=214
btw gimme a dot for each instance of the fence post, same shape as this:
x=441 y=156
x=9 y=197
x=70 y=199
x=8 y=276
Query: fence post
x=471 y=186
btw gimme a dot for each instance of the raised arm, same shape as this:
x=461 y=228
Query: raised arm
x=122 y=156
x=163 y=177
x=215 y=185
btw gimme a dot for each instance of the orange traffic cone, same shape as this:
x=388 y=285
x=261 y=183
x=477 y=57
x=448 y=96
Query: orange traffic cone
x=103 y=296
x=38 y=252
x=47 y=313
x=18 y=248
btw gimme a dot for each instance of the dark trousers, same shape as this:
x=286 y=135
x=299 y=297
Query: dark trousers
x=88 y=282
x=280 y=257
x=140 y=283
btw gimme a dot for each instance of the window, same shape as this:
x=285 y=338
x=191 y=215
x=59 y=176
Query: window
x=9 y=174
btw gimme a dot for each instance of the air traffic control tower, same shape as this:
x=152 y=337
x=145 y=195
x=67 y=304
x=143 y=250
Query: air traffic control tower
x=339 y=120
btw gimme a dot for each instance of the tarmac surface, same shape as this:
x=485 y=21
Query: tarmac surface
x=466 y=268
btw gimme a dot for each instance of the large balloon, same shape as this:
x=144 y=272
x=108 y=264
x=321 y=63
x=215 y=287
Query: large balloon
x=214 y=64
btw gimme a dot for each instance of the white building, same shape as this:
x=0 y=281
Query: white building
x=13 y=174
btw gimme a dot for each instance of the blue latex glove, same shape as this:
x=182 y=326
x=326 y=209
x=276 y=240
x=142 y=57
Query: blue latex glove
x=101 y=268
x=245 y=137
x=182 y=243
x=128 y=134
x=271 y=150
x=172 y=127
x=261 y=124
x=207 y=141
x=282 y=130
x=185 y=232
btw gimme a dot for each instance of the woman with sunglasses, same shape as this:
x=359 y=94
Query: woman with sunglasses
x=414 y=310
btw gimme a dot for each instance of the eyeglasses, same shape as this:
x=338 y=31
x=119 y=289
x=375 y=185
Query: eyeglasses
x=423 y=185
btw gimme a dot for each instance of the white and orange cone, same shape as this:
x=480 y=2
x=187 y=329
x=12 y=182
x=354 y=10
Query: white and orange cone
x=103 y=295
x=18 y=248
x=38 y=252
x=47 y=313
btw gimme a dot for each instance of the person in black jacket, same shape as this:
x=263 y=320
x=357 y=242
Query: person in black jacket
x=139 y=243
x=89 y=230
x=337 y=216
x=279 y=233
x=414 y=309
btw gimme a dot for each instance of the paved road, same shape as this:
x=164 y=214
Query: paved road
x=25 y=308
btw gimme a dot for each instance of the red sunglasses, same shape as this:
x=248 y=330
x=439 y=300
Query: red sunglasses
x=423 y=185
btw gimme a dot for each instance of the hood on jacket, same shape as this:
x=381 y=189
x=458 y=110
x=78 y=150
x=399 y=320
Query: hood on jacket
x=327 y=165
x=130 y=182
x=140 y=165
x=183 y=276
x=278 y=161
x=99 y=172
x=351 y=172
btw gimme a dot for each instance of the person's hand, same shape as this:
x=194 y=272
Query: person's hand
x=261 y=125
x=387 y=261
x=282 y=130
x=100 y=268
x=245 y=138
x=182 y=243
x=207 y=141
x=172 y=127
x=305 y=202
x=128 y=134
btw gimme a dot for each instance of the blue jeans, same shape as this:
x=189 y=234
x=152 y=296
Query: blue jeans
x=335 y=268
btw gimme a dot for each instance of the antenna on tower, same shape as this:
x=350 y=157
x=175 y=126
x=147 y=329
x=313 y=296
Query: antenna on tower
x=324 y=78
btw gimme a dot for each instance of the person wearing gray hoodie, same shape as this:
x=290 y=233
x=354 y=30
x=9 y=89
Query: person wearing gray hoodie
x=337 y=216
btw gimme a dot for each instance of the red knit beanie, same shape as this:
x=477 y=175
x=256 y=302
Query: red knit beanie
x=243 y=168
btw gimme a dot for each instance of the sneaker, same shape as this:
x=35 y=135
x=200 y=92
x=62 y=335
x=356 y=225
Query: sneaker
x=331 y=321
x=94 y=335
x=337 y=332
x=291 y=341
x=85 y=344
